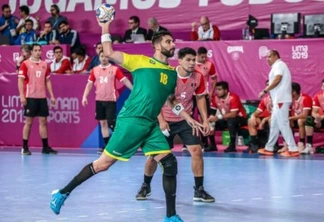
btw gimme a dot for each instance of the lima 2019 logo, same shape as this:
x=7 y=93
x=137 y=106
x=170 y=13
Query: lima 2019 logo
x=235 y=51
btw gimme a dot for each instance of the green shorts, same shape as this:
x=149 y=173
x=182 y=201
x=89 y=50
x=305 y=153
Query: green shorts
x=131 y=134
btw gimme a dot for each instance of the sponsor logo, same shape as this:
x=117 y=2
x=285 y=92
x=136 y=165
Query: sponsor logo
x=49 y=56
x=299 y=52
x=15 y=56
x=263 y=51
x=115 y=152
x=235 y=51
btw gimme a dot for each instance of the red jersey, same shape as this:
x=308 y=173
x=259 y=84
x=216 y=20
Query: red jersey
x=304 y=102
x=185 y=89
x=207 y=69
x=104 y=79
x=61 y=66
x=231 y=103
x=265 y=107
x=35 y=75
x=318 y=100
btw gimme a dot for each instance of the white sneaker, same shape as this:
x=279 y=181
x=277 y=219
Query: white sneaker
x=308 y=149
x=301 y=147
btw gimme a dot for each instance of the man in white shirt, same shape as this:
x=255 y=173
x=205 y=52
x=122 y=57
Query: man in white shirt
x=24 y=13
x=280 y=93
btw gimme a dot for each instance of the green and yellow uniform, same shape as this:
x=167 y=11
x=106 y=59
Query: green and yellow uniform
x=137 y=126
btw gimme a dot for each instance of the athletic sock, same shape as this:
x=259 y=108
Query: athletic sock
x=106 y=139
x=170 y=187
x=199 y=181
x=310 y=140
x=147 y=179
x=84 y=174
x=45 y=142
x=25 y=144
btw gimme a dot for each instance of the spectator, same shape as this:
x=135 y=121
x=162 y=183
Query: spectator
x=154 y=27
x=82 y=61
x=68 y=36
x=206 y=30
x=28 y=37
x=231 y=113
x=95 y=59
x=8 y=24
x=25 y=54
x=24 y=14
x=48 y=35
x=134 y=28
x=61 y=63
x=56 y=17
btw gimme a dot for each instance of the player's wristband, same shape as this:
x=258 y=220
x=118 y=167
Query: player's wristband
x=105 y=38
x=177 y=109
x=219 y=116
x=166 y=133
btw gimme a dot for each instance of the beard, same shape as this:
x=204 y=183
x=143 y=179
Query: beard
x=167 y=53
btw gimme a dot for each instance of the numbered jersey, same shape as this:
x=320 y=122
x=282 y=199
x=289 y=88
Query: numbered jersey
x=187 y=87
x=153 y=82
x=35 y=75
x=104 y=79
x=208 y=70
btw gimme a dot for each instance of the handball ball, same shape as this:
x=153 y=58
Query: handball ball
x=105 y=13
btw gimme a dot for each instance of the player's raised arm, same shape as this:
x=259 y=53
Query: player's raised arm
x=116 y=56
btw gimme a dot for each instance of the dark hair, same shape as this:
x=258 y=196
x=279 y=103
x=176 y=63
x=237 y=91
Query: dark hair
x=186 y=51
x=5 y=6
x=98 y=43
x=135 y=18
x=295 y=87
x=223 y=84
x=80 y=51
x=48 y=22
x=57 y=47
x=35 y=45
x=275 y=53
x=202 y=50
x=25 y=9
x=63 y=22
x=29 y=20
x=323 y=81
x=101 y=51
x=26 y=48
x=56 y=8
x=157 y=36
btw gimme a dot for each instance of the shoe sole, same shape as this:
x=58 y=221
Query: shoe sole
x=143 y=198
x=196 y=199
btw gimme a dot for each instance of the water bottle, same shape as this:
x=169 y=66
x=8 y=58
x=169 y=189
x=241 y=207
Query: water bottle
x=240 y=141
x=23 y=39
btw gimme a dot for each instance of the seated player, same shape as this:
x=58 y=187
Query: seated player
x=231 y=113
x=316 y=120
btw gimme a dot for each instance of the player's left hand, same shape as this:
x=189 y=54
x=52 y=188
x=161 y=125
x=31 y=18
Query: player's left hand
x=53 y=101
x=206 y=128
x=196 y=127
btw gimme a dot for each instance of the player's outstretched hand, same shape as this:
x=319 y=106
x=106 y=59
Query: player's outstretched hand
x=106 y=24
x=196 y=127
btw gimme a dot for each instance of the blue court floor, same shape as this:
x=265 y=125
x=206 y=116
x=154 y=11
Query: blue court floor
x=246 y=187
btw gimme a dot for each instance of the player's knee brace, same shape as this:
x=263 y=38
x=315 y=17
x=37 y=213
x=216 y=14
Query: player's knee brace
x=309 y=121
x=169 y=165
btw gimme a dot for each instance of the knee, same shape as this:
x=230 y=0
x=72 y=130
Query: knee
x=103 y=123
x=169 y=165
x=102 y=164
x=301 y=123
x=195 y=151
x=43 y=121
